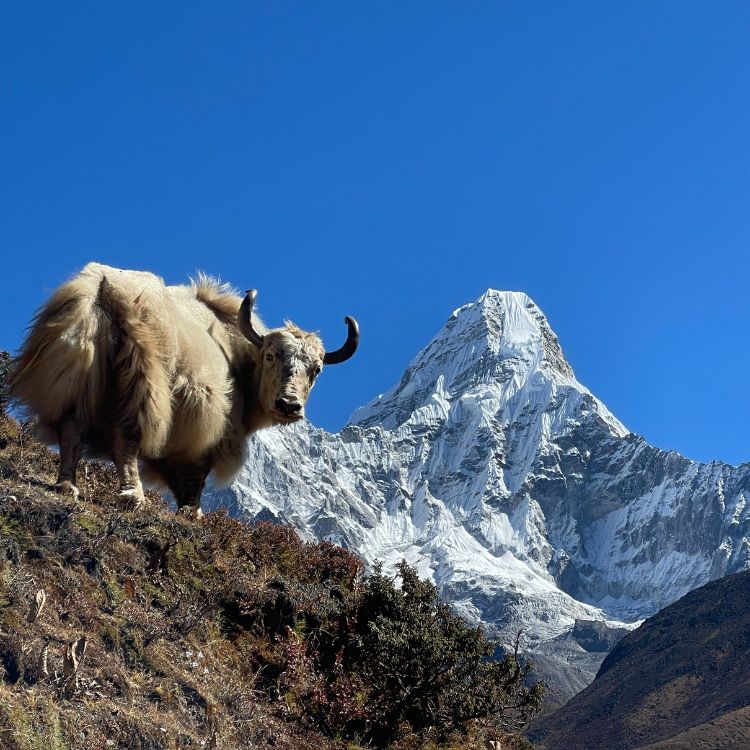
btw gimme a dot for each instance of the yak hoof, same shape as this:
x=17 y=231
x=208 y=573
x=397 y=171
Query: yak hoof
x=66 y=487
x=191 y=511
x=130 y=498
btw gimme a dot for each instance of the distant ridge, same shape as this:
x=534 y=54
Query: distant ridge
x=681 y=680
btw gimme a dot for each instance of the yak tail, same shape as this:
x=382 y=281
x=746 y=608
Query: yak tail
x=60 y=367
x=90 y=353
x=142 y=391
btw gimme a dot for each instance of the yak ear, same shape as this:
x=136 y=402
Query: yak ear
x=245 y=319
x=349 y=347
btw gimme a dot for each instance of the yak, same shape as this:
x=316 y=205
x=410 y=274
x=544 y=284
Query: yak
x=167 y=379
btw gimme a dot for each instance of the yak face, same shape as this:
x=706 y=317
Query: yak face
x=290 y=361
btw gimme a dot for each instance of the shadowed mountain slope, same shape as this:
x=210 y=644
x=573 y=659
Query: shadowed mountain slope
x=681 y=680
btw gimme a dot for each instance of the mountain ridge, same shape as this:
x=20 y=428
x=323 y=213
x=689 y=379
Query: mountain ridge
x=507 y=483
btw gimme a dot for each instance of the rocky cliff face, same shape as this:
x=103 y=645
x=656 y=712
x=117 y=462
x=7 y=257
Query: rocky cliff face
x=507 y=482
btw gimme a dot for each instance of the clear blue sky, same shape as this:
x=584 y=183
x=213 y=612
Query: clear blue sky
x=392 y=161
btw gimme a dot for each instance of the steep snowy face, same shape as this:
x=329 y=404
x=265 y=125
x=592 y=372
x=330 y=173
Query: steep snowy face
x=484 y=397
x=491 y=468
x=494 y=347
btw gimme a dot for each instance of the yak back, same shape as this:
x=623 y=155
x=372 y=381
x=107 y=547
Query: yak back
x=113 y=346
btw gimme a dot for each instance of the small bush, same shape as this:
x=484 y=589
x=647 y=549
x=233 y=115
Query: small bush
x=398 y=666
x=5 y=363
x=427 y=669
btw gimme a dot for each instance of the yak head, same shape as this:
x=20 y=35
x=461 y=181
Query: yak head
x=290 y=361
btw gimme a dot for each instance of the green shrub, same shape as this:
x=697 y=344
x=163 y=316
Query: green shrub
x=427 y=669
x=398 y=666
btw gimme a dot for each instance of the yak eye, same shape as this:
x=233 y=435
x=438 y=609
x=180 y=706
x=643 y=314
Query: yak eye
x=269 y=357
x=314 y=374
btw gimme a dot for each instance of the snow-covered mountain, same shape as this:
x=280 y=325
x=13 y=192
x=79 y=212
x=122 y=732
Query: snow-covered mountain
x=491 y=468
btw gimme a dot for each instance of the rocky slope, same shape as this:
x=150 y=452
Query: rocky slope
x=679 y=681
x=491 y=468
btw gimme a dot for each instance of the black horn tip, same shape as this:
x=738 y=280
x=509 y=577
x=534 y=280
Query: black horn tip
x=348 y=349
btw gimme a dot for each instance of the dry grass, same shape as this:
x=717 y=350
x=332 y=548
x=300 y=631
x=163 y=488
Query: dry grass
x=179 y=615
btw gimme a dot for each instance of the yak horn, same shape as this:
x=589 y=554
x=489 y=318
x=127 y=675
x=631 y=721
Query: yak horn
x=346 y=351
x=244 y=319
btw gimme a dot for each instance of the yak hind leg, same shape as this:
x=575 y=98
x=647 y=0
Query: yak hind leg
x=125 y=455
x=69 y=439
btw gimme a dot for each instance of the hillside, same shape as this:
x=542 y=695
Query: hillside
x=153 y=630
x=680 y=681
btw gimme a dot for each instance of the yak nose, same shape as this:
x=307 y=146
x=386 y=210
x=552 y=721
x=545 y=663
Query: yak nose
x=288 y=406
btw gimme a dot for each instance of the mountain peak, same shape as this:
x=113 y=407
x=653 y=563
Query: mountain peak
x=514 y=321
x=507 y=296
x=500 y=340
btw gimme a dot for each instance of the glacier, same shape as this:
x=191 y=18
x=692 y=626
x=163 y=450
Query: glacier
x=509 y=484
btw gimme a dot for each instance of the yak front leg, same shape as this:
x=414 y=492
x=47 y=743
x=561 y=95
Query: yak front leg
x=69 y=439
x=125 y=455
x=186 y=484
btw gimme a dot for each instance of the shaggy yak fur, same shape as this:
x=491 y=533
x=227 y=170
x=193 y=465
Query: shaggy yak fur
x=121 y=365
